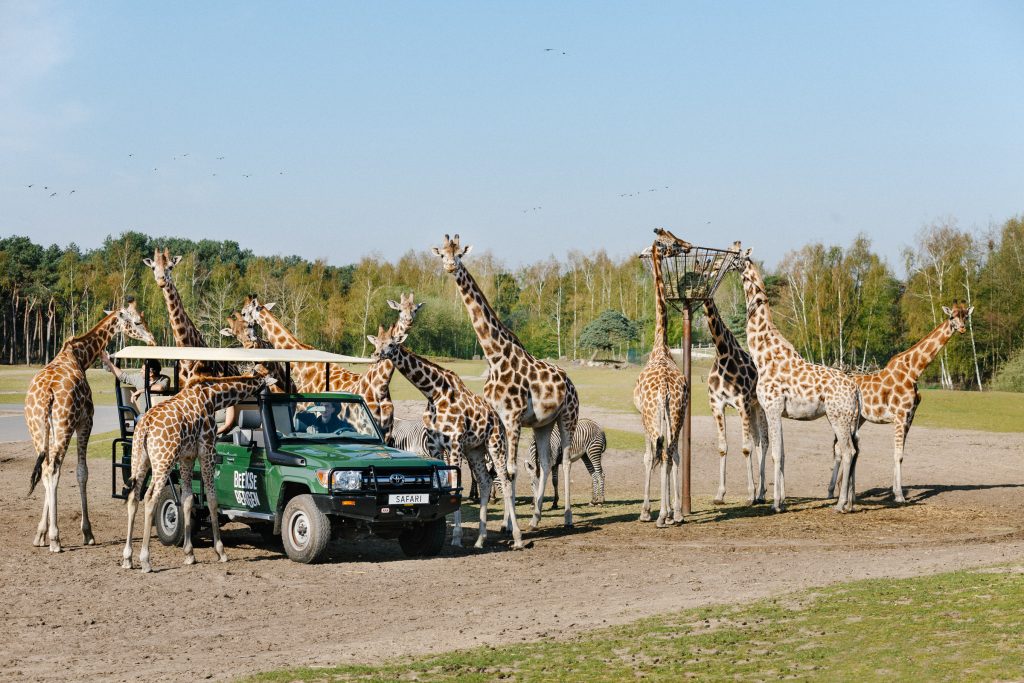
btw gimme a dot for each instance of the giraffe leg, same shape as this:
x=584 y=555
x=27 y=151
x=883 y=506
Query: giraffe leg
x=484 y=477
x=53 y=533
x=156 y=486
x=846 y=449
x=566 y=457
x=496 y=448
x=542 y=437
x=645 y=510
x=554 y=482
x=188 y=499
x=84 y=430
x=900 y=428
x=773 y=414
x=140 y=466
x=454 y=458
x=665 y=516
x=44 y=522
x=675 y=482
x=206 y=471
x=837 y=461
x=718 y=412
x=762 y=451
x=748 y=426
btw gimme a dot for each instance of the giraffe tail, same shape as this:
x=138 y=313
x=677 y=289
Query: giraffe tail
x=664 y=427
x=37 y=471
x=138 y=451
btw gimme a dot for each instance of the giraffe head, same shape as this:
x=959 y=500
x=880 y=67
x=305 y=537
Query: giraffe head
x=252 y=308
x=131 y=321
x=451 y=253
x=240 y=330
x=406 y=308
x=161 y=265
x=958 y=316
x=386 y=344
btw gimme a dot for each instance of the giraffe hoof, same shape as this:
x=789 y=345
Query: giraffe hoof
x=900 y=499
x=479 y=544
x=147 y=569
x=89 y=540
x=55 y=548
x=531 y=527
x=719 y=501
x=645 y=516
x=660 y=523
x=40 y=542
x=189 y=559
x=841 y=510
x=224 y=557
x=126 y=563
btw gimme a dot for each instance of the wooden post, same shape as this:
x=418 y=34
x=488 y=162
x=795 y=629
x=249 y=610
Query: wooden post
x=685 y=445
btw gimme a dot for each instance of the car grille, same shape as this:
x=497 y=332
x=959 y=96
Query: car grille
x=388 y=480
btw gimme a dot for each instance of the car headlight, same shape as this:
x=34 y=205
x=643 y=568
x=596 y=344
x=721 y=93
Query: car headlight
x=347 y=480
x=442 y=478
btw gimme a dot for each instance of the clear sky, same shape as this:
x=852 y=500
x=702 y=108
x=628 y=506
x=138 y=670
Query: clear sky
x=337 y=130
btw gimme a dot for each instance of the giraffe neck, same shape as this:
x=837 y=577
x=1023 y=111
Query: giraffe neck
x=87 y=347
x=184 y=330
x=495 y=339
x=429 y=378
x=379 y=374
x=232 y=390
x=660 y=308
x=763 y=338
x=278 y=335
x=725 y=340
x=920 y=355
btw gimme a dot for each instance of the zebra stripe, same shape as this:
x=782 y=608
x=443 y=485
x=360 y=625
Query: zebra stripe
x=588 y=444
x=409 y=436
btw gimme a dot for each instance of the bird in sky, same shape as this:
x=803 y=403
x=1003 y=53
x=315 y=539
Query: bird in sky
x=131 y=155
x=246 y=175
x=54 y=194
x=32 y=184
x=219 y=158
x=72 y=192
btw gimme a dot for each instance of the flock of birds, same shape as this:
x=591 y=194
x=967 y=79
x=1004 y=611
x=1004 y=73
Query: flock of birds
x=52 y=193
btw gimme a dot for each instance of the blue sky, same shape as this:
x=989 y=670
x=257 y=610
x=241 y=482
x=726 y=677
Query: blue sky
x=353 y=128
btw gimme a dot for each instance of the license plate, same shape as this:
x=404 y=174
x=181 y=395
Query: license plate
x=408 y=498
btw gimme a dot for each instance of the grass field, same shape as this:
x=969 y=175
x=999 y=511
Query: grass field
x=612 y=389
x=949 y=627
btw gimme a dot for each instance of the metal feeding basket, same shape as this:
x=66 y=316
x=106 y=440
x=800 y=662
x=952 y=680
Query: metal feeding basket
x=692 y=277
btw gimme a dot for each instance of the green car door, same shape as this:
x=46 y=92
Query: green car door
x=241 y=479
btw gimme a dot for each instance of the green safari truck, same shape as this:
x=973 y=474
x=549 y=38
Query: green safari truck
x=302 y=469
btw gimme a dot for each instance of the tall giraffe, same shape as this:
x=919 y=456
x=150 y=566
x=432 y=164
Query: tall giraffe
x=732 y=382
x=789 y=386
x=59 y=405
x=890 y=395
x=246 y=335
x=181 y=429
x=660 y=395
x=457 y=422
x=373 y=385
x=524 y=391
x=185 y=331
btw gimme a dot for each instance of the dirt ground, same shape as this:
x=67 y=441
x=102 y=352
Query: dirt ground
x=78 y=615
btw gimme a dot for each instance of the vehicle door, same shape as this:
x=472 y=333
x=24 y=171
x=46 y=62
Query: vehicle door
x=241 y=478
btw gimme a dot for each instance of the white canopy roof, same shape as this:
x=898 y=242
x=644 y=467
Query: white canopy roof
x=234 y=355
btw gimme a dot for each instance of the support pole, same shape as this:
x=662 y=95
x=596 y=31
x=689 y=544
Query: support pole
x=685 y=446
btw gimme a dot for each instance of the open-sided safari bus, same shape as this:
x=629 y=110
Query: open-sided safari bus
x=286 y=477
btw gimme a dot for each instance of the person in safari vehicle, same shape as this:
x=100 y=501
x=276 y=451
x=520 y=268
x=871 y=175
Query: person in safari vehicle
x=321 y=418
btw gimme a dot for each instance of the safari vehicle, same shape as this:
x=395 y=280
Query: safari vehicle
x=302 y=468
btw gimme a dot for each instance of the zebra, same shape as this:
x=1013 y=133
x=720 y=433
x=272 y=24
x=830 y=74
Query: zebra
x=588 y=443
x=410 y=436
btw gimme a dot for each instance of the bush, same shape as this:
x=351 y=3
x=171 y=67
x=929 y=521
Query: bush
x=1010 y=377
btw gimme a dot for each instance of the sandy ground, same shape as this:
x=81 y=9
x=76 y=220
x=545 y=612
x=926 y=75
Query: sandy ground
x=78 y=615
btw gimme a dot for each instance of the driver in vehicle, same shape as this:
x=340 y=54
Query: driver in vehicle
x=324 y=421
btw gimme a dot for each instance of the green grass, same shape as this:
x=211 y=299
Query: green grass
x=14 y=383
x=989 y=411
x=950 y=627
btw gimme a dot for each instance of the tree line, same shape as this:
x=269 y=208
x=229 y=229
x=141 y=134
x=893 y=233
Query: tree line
x=839 y=305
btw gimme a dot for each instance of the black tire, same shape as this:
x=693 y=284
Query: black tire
x=305 y=530
x=169 y=520
x=424 y=540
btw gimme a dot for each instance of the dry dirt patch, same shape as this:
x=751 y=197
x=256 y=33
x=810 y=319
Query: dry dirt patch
x=78 y=615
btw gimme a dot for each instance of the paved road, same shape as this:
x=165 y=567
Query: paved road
x=13 y=428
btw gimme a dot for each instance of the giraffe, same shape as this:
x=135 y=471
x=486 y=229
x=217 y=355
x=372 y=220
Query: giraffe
x=522 y=390
x=457 y=422
x=373 y=385
x=179 y=430
x=660 y=395
x=59 y=405
x=732 y=382
x=890 y=395
x=789 y=386
x=185 y=331
x=246 y=335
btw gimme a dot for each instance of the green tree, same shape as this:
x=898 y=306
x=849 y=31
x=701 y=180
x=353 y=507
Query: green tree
x=609 y=329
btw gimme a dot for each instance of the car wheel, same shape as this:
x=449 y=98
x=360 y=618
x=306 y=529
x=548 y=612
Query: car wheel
x=424 y=540
x=169 y=519
x=305 y=530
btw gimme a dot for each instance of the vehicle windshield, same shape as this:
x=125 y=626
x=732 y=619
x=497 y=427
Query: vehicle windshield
x=324 y=420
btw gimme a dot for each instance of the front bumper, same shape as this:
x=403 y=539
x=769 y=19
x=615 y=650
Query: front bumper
x=371 y=507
